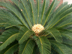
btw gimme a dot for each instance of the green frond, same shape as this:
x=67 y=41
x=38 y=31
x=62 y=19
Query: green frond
x=50 y=11
x=25 y=36
x=9 y=38
x=57 y=15
x=14 y=11
x=39 y=10
x=67 y=37
x=6 y=34
x=22 y=10
x=56 y=34
x=34 y=11
x=7 y=19
x=68 y=34
x=22 y=31
x=65 y=22
x=27 y=47
x=10 y=49
x=8 y=41
x=43 y=45
x=61 y=16
x=44 y=10
x=61 y=48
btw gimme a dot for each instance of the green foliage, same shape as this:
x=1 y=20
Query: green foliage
x=25 y=36
x=43 y=45
x=1 y=30
x=56 y=34
x=61 y=48
x=10 y=49
x=27 y=47
x=9 y=38
x=18 y=18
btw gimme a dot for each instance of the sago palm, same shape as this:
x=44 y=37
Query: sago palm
x=36 y=27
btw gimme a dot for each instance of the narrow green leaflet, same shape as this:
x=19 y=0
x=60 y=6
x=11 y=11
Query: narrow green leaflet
x=67 y=40
x=27 y=47
x=8 y=19
x=8 y=37
x=67 y=37
x=56 y=34
x=22 y=31
x=67 y=34
x=12 y=49
x=61 y=16
x=48 y=12
x=28 y=11
x=22 y=9
x=61 y=48
x=7 y=33
x=21 y=46
x=25 y=36
x=39 y=10
x=15 y=11
x=8 y=41
x=43 y=45
x=44 y=9
x=58 y=12
x=65 y=22
x=34 y=11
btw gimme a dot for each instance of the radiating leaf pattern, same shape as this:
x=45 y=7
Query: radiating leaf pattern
x=18 y=18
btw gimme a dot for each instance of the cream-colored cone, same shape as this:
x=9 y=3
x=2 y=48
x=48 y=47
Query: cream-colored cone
x=37 y=28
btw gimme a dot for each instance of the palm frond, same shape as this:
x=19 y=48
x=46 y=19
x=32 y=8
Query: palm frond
x=10 y=37
x=14 y=11
x=26 y=35
x=27 y=47
x=10 y=49
x=67 y=37
x=56 y=34
x=43 y=45
x=61 y=48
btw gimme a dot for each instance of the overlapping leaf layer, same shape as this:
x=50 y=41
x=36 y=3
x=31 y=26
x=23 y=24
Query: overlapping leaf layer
x=18 y=18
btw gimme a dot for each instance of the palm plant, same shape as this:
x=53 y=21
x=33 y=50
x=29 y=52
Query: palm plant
x=36 y=27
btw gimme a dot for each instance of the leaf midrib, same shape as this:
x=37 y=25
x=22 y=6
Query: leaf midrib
x=25 y=46
x=10 y=48
x=41 y=45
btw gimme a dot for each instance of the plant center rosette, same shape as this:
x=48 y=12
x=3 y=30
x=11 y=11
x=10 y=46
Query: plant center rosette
x=37 y=28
